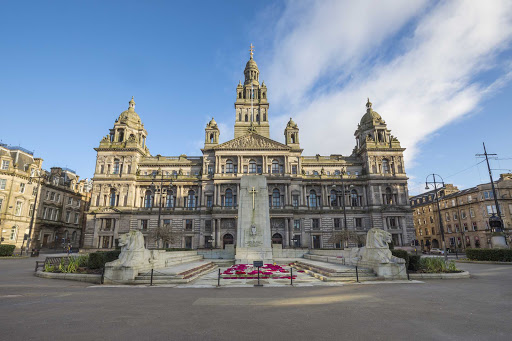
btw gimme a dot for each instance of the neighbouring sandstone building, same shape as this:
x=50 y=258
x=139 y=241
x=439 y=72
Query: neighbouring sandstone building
x=195 y=198
x=464 y=213
x=59 y=207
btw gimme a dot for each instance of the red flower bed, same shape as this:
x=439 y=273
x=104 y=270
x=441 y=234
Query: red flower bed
x=246 y=271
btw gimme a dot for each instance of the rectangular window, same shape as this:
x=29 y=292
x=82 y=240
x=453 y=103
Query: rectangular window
x=466 y=227
x=78 y=203
x=3 y=182
x=188 y=224
x=70 y=201
x=45 y=213
x=208 y=226
x=19 y=207
x=144 y=224
x=31 y=210
x=358 y=222
x=392 y=222
x=452 y=240
x=296 y=224
x=475 y=227
x=13 y=233
x=470 y=198
x=449 y=229
x=488 y=195
x=5 y=164
x=68 y=216
x=447 y=216
x=210 y=169
x=58 y=197
x=337 y=223
x=491 y=209
x=167 y=222
x=1 y=202
x=22 y=188
x=455 y=216
x=209 y=201
x=453 y=202
x=463 y=214
x=472 y=213
x=77 y=217
x=56 y=216
x=294 y=169
x=52 y=196
x=457 y=228
x=315 y=223
x=295 y=200
x=421 y=232
x=34 y=191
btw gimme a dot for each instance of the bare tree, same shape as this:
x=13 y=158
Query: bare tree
x=347 y=236
x=165 y=234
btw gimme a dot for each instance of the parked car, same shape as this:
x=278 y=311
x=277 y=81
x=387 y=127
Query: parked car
x=436 y=252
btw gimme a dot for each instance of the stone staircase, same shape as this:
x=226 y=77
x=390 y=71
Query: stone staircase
x=178 y=274
x=330 y=272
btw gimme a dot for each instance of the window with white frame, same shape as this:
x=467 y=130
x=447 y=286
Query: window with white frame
x=77 y=216
x=14 y=231
x=472 y=213
x=19 y=207
x=5 y=164
x=22 y=188
x=3 y=182
x=68 y=216
x=31 y=210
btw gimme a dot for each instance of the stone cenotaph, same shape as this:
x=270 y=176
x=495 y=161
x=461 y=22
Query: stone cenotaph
x=253 y=241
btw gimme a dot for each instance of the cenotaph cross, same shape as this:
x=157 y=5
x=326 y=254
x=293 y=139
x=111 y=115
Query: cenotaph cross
x=253 y=191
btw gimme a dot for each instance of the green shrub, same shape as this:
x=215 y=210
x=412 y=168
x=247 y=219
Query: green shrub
x=6 y=250
x=436 y=265
x=401 y=254
x=414 y=262
x=493 y=255
x=98 y=259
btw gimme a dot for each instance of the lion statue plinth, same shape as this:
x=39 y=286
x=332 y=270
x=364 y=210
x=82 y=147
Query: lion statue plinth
x=377 y=248
x=133 y=252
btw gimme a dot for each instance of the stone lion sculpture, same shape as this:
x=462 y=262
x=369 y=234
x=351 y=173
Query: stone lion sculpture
x=377 y=248
x=133 y=252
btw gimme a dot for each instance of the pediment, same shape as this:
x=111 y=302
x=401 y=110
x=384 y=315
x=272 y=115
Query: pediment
x=107 y=210
x=252 y=141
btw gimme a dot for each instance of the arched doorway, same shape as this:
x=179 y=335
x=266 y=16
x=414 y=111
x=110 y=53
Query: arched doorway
x=227 y=239
x=277 y=239
x=435 y=244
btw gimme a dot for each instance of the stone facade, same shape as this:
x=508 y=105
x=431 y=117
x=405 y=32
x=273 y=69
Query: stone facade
x=59 y=191
x=464 y=213
x=196 y=196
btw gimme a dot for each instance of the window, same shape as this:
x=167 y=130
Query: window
x=466 y=227
x=229 y=166
x=393 y=224
x=294 y=169
x=102 y=169
x=488 y=195
x=210 y=169
x=22 y=188
x=70 y=201
x=1 y=202
x=447 y=216
x=456 y=228
x=295 y=200
x=334 y=198
x=385 y=166
x=296 y=224
x=388 y=197
x=449 y=228
x=354 y=199
x=208 y=226
x=276 y=198
x=45 y=213
x=463 y=214
x=3 y=183
x=13 y=233
x=148 y=199
x=52 y=196
x=228 y=198
x=77 y=216
x=337 y=223
x=68 y=216
x=191 y=199
x=452 y=240
x=472 y=213
x=116 y=167
x=421 y=232
x=19 y=207
x=470 y=198
x=209 y=201
x=475 y=227
x=455 y=216
x=431 y=220
x=252 y=166
x=56 y=216
x=112 y=197
x=358 y=222
x=167 y=222
x=169 y=199
x=312 y=198
x=144 y=224
x=426 y=231
x=433 y=231
x=491 y=209
x=5 y=164
x=188 y=224
x=275 y=167
x=315 y=223
x=453 y=203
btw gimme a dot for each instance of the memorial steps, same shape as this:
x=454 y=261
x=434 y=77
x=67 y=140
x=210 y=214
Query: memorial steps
x=330 y=272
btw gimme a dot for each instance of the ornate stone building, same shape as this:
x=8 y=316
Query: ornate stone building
x=61 y=201
x=464 y=213
x=312 y=198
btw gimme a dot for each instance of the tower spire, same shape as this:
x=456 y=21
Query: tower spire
x=251 y=49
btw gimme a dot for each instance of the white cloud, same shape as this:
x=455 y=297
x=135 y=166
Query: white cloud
x=416 y=63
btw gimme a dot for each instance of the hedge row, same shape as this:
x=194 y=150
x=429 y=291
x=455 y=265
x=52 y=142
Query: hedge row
x=411 y=261
x=98 y=259
x=401 y=254
x=494 y=255
x=6 y=250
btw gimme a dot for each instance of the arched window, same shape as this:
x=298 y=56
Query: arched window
x=169 y=202
x=312 y=198
x=121 y=135
x=229 y=166
x=246 y=118
x=112 y=197
x=276 y=198
x=228 y=198
x=275 y=167
x=388 y=196
x=385 y=166
x=211 y=138
x=334 y=198
x=191 y=199
x=148 y=199
x=116 y=166
x=354 y=198
x=252 y=166
x=73 y=236
x=293 y=138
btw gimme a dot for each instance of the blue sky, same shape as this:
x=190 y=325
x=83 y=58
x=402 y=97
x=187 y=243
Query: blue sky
x=438 y=72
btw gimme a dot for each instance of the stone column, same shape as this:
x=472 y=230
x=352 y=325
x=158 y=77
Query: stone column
x=286 y=238
x=218 y=233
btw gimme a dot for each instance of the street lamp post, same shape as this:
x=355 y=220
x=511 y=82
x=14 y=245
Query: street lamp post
x=161 y=194
x=435 y=183
x=40 y=175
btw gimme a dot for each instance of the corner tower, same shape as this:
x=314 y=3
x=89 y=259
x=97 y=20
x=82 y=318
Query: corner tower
x=251 y=106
